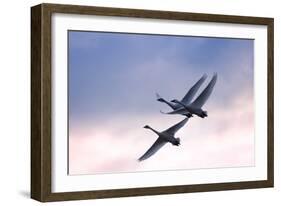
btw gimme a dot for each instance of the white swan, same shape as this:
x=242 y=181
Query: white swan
x=186 y=99
x=163 y=137
x=196 y=106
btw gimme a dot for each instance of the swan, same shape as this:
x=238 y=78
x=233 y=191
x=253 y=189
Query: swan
x=163 y=137
x=196 y=106
x=186 y=99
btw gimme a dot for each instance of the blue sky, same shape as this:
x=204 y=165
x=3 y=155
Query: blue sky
x=106 y=74
x=113 y=78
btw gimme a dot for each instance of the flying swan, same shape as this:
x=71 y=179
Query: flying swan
x=163 y=137
x=185 y=100
x=196 y=106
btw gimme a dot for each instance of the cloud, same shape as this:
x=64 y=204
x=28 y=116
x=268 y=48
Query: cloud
x=224 y=139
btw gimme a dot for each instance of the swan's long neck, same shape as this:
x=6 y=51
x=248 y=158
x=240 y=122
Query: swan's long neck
x=169 y=103
x=182 y=104
x=153 y=130
x=160 y=99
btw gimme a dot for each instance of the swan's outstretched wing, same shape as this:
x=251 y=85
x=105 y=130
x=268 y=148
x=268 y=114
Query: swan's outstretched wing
x=153 y=149
x=172 y=130
x=177 y=111
x=203 y=97
x=192 y=91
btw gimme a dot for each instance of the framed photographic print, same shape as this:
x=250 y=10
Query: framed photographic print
x=128 y=102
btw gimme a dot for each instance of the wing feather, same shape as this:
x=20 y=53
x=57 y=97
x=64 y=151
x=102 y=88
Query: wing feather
x=203 y=97
x=172 y=130
x=153 y=149
x=177 y=111
x=192 y=91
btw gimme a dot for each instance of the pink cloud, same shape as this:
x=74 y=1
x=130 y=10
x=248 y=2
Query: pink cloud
x=224 y=139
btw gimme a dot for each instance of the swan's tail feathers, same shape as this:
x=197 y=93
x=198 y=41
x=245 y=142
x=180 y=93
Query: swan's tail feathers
x=159 y=98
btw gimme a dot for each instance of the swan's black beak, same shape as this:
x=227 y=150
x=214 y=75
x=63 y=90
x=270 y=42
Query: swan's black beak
x=160 y=100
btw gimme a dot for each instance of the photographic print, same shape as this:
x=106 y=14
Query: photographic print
x=150 y=102
x=129 y=102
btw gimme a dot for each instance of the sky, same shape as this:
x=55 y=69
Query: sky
x=113 y=79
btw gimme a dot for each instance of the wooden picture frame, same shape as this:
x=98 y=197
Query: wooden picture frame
x=41 y=101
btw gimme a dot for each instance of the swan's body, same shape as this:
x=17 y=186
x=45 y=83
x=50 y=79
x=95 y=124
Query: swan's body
x=196 y=106
x=186 y=99
x=164 y=137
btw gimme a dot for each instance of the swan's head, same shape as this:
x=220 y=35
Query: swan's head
x=177 y=141
x=146 y=127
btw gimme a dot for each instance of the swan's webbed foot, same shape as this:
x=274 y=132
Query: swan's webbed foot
x=188 y=115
